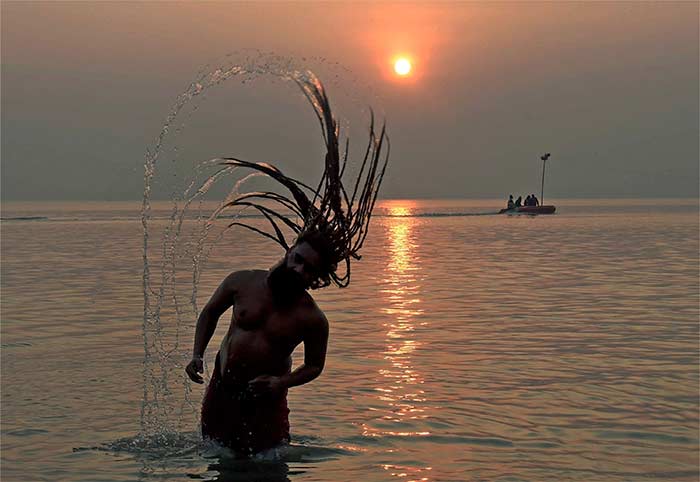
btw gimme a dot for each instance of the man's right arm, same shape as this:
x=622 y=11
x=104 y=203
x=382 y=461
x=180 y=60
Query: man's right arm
x=221 y=300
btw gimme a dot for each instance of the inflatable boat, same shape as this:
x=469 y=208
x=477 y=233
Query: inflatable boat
x=549 y=209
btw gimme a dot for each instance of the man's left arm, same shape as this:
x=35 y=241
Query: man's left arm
x=315 y=346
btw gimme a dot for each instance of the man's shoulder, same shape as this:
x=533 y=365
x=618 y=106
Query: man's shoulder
x=312 y=314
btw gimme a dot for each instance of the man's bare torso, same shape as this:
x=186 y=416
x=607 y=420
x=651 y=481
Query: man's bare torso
x=263 y=331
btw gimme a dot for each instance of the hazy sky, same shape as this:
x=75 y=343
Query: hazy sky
x=611 y=89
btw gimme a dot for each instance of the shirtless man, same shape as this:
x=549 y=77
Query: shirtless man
x=245 y=405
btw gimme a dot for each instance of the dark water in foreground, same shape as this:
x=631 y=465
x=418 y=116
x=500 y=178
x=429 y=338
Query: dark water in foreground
x=489 y=347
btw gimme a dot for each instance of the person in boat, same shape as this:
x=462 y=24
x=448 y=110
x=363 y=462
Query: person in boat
x=519 y=202
x=534 y=201
x=511 y=203
x=245 y=403
x=527 y=200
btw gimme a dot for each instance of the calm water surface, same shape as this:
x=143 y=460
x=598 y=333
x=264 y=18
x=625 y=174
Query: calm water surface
x=500 y=348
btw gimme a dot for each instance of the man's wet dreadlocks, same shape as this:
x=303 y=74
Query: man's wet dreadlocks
x=334 y=221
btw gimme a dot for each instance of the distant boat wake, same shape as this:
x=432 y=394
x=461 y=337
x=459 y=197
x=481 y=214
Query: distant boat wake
x=243 y=215
x=24 y=218
x=411 y=215
x=435 y=215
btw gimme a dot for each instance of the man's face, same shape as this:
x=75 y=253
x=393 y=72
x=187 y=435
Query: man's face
x=305 y=262
x=296 y=271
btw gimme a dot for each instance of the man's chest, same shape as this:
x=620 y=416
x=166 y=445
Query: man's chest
x=259 y=315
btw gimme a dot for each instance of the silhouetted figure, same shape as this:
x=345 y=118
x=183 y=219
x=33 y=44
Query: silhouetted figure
x=534 y=200
x=519 y=202
x=245 y=404
x=528 y=201
x=511 y=203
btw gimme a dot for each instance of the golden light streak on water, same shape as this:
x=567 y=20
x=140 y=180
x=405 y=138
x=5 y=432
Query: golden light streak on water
x=402 y=291
x=401 y=389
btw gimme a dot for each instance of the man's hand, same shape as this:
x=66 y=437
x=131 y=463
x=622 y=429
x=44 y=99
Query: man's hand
x=266 y=385
x=194 y=368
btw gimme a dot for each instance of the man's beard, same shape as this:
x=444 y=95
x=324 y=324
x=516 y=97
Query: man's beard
x=285 y=283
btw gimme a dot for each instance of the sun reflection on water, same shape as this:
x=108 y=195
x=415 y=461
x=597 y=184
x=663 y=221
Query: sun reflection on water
x=405 y=471
x=399 y=385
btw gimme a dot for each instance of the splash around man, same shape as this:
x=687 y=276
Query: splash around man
x=245 y=405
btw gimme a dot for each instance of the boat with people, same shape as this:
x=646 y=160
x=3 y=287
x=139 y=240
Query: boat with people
x=549 y=209
x=532 y=206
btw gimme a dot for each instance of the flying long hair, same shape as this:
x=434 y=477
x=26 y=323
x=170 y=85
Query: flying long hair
x=330 y=211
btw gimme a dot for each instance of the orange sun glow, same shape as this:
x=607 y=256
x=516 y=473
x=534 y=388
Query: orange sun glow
x=402 y=66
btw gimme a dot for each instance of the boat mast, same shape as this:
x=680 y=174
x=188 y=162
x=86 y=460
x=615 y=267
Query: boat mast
x=544 y=164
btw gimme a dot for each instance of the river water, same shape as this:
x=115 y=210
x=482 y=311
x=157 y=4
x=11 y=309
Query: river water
x=467 y=347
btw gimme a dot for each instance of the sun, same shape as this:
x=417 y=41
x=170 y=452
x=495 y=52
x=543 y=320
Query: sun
x=402 y=66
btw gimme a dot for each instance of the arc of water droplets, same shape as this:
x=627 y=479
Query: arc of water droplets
x=158 y=358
